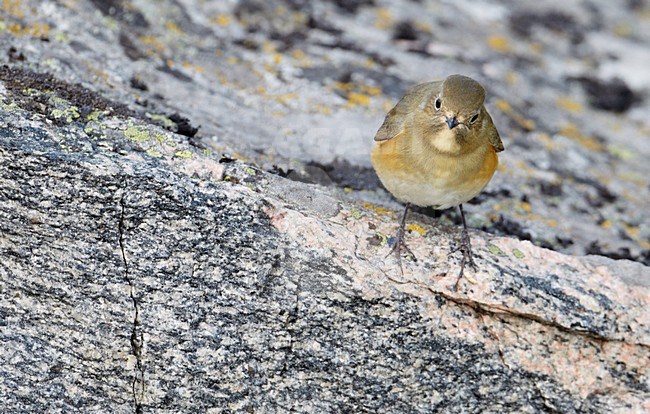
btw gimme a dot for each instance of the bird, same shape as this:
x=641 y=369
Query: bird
x=437 y=148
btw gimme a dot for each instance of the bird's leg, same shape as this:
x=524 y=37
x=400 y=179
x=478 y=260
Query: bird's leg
x=399 y=240
x=465 y=247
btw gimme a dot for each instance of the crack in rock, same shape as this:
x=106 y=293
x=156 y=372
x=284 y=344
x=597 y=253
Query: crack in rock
x=137 y=336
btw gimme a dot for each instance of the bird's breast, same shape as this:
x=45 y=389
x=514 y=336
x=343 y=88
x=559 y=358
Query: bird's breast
x=430 y=178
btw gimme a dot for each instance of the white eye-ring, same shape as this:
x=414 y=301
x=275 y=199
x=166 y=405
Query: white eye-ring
x=437 y=104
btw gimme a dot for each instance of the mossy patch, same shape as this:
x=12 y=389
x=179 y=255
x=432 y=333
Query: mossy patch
x=495 y=250
x=518 y=253
x=39 y=93
x=183 y=154
x=137 y=133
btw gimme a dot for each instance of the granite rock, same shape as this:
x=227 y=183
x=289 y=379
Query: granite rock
x=188 y=220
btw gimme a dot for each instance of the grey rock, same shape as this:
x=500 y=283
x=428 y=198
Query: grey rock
x=147 y=269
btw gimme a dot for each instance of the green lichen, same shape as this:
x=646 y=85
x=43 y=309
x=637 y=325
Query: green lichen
x=61 y=37
x=494 y=249
x=153 y=153
x=620 y=152
x=95 y=115
x=95 y=131
x=137 y=134
x=161 y=138
x=383 y=239
x=10 y=107
x=183 y=154
x=249 y=171
x=518 y=253
x=166 y=122
x=66 y=114
x=62 y=109
x=356 y=214
x=32 y=92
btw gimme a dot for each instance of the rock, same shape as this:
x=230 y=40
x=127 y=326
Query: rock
x=155 y=256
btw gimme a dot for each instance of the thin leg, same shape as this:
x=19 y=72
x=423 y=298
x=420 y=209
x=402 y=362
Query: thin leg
x=399 y=240
x=465 y=247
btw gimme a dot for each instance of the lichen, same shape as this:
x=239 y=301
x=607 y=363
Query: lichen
x=68 y=114
x=153 y=153
x=496 y=250
x=518 y=253
x=183 y=154
x=166 y=122
x=137 y=133
x=416 y=228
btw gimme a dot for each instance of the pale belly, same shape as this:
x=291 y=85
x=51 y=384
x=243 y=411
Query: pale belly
x=440 y=185
x=439 y=193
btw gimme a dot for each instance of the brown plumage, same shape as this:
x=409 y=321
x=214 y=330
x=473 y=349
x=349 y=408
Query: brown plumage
x=438 y=148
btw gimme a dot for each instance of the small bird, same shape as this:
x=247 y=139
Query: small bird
x=437 y=148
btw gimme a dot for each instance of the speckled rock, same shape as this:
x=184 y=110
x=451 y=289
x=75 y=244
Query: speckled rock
x=188 y=221
x=136 y=283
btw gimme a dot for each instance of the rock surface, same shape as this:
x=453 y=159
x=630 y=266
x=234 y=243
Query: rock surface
x=146 y=266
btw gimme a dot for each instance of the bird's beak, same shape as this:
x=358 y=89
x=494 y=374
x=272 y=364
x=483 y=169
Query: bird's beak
x=452 y=122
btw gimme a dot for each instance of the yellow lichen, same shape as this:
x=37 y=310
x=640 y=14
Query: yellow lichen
x=568 y=104
x=137 y=134
x=193 y=67
x=13 y=8
x=223 y=20
x=416 y=228
x=506 y=108
x=173 y=27
x=606 y=224
x=358 y=99
x=285 y=98
x=37 y=29
x=537 y=48
x=298 y=54
x=183 y=154
x=499 y=44
x=384 y=19
x=571 y=131
x=376 y=209
x=154 y=43
x=632 y=231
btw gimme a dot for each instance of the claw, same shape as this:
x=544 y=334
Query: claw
x=465 y=246
x=400 y=243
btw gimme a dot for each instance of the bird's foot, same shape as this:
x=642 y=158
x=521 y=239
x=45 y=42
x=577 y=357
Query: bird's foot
x=465 y=247
x=397 y=247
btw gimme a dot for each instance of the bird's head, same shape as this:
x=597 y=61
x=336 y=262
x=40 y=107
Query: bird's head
x=459 y=105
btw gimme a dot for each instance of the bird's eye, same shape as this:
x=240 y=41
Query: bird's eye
x=438 y=104
x=474 y=119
